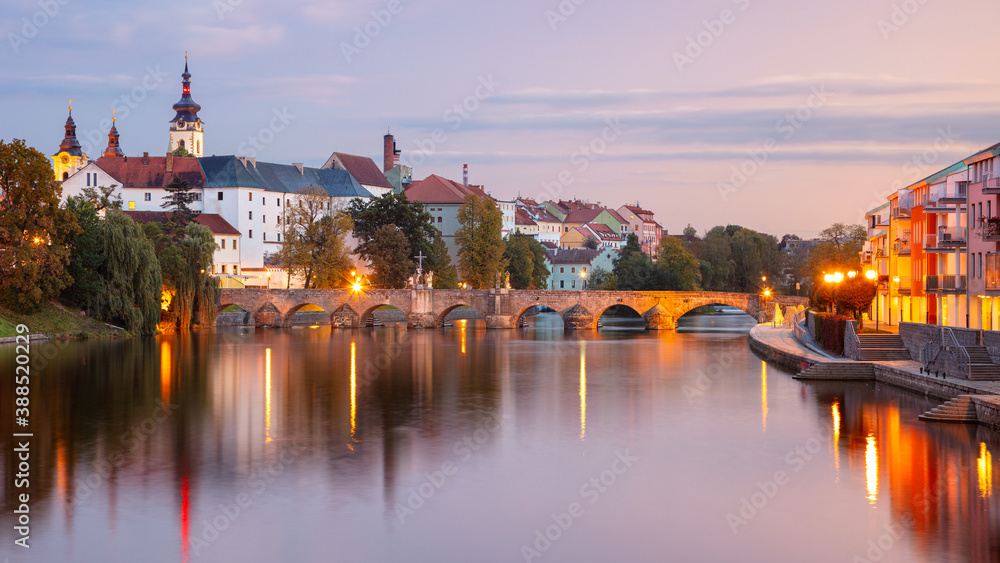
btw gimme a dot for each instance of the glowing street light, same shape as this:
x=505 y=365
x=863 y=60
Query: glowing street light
x=583 y=276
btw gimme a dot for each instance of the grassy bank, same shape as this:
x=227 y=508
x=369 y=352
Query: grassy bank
x=56 y=321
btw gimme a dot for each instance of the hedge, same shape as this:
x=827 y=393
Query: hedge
x=830 y=332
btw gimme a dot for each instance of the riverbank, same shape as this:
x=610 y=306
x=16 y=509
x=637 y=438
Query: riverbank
x=56 y=321
x=778 y=346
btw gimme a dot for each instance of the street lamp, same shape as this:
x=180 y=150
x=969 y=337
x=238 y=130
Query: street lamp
x=834 y=278
x=873 y=275
x=583 y=276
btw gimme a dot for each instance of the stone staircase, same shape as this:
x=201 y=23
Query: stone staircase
x=881 y=348
x=981 y=366
x=959 y=410
x=839 y=371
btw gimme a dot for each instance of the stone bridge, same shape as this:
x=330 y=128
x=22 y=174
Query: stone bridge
x=501 y=308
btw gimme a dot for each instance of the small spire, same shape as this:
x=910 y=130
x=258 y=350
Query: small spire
x=71 y=105
x=113 y=117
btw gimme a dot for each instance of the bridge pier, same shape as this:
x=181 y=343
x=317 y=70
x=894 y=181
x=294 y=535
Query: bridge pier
x=658 y=318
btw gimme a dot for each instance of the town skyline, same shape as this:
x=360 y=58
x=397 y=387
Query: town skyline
x=707 y=118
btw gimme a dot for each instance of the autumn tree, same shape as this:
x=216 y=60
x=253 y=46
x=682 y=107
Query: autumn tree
x=526 y=262
x=315 y=237
x=480 y=244
x=34 y=229
x=854 y=295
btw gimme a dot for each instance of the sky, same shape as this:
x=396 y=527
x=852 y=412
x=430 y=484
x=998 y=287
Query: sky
x=779 y=115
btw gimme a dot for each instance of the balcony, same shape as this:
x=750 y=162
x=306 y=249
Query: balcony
x=882 y=220
x=901 y=248
x=989 y=230
x=991 y=184
x=945 y=284
x=951 y=237
x=900 y=213
x=942 y=199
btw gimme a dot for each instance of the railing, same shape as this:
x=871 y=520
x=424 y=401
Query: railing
x=949 y=282
x=949 y=342
x=900 y=212
x=901 y=247
x=852 y=344
x=989 y=229
x=927 y=354
x=930 y=240
x=991 y=182
x=797 y=322
x=959 y=191
x=951 y=234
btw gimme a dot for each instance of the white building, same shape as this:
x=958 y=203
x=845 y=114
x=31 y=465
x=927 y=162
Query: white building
x=569 y=269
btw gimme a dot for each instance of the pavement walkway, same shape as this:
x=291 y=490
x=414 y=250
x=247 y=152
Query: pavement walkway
x=784 y=339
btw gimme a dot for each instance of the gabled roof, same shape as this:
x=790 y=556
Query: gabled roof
x=362 y=168
x=521 y=217
x=616 y=215
x=983 y=154
x=572 y=255
x=603 y=232
x=525 y=202
x=435 y=189
x=549 y=244
x=213 y=221
x=132 y=173
x=637 y=210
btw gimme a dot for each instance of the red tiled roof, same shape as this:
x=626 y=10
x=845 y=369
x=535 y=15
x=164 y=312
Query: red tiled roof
x=521 y=217
x=132 y=173
x=364 y=170
x=435 y=189
x=638 y=210
x=603 y=231
x=616 y=215
x=527 y=202
x=549 y=244
x=583 y=215
x=213 y=221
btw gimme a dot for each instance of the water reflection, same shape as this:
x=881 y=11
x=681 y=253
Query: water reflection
x=388 y=444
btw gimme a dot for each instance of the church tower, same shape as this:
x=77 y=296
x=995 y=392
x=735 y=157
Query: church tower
x=186 y=128
x=70 y=156
x=114 y=149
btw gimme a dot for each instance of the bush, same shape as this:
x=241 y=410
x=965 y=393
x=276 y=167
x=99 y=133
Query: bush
x=830 y=332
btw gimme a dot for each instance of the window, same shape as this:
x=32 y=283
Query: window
x=562 y=270
x=279 y=203
x=263 y=201
x=251 y=196
x=251 y=215
x=223 y=244
x=264 y=219
x=562 y=284
x=223 y=268
x=265 y=237
x=584 y=270
x=149 y=196
x=279 y=237
x=574 y=284
x=214 y=270
x=131 y=205
x=251 y=233
x=234 y=244
x=439 y=219
x=197 y=197
x=236 y=269
x=220 y=196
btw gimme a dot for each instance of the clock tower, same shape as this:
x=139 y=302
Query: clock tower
x=70 y=156
x=186 y=128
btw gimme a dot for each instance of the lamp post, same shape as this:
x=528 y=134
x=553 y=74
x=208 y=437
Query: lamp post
x=583 y=276
x=873 y=275
x=834 y=279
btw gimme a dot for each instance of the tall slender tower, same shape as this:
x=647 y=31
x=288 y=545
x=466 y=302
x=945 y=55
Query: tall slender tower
x=70 y=157
x=186 y=128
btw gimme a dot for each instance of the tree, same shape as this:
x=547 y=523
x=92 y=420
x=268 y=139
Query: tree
x=680 y=270
x=855 y=295
x=185 y=257
x=716 y=260
x=526 y=262
x=407 y=217
x=445 y=274
x=690 y=232
x=178 y=200
x=314 y=240
x=34 y=229
x=591 y=243
x=631 y=247
x=132 y=282
x=837 y=250
x=391 y=267
x=86 y=256
x=635 y=272
x=181 y=151
x=601 y=280
x=480 y=244
x=103 y=197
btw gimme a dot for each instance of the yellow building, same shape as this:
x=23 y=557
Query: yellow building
x=70 y=156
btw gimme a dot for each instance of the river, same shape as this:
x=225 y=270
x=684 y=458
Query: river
x=462 y=444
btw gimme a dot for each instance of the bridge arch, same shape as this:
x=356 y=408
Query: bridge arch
x=443 y=316
x=741 y=304
x=368 y=318
x=231 y=316
x=605 y=308
x=289 y=315
x=519 y=318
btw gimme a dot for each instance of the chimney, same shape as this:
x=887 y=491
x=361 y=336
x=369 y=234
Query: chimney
x=465 y=174
x=145 y=159
x=170 y=162
x=390 y=154
x=298 y=166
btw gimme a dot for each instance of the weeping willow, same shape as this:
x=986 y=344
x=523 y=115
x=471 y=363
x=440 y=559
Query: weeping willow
x=132 y=278
x=187 y=266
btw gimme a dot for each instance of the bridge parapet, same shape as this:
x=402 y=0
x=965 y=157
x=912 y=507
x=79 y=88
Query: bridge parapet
x=500 y=308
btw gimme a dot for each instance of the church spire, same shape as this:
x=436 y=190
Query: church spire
x=70 y=145
x=114 y=149
x=187 y=109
